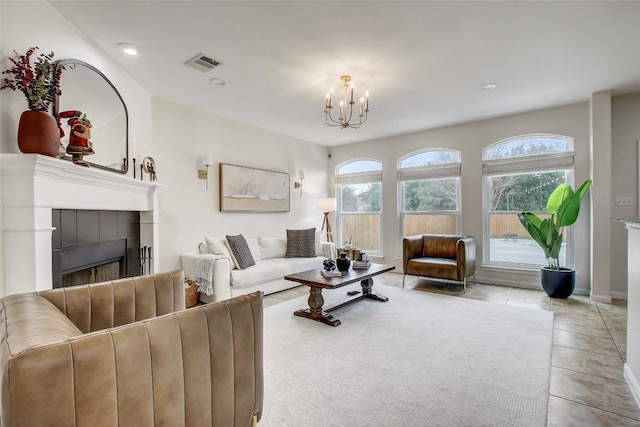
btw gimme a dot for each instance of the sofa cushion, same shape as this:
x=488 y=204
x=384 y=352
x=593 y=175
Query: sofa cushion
x=272 y=247
x=252 y=242
x=272 y=269
x=301 y=243
x=241 y=251
x=218 y=246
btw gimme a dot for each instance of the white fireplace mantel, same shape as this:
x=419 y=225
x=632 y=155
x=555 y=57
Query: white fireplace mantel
x=32 y=185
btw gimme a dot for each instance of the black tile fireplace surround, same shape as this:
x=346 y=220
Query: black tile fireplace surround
x=84 y=239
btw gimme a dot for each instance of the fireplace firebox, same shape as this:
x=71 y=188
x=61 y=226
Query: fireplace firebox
x=93 y=246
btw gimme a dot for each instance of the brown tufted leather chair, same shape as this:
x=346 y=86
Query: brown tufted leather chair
x=127 y=353
x=440 y=256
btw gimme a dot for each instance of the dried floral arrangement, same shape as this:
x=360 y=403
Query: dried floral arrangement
x=39 y=82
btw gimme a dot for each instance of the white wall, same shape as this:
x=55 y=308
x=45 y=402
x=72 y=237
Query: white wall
x=36 y=23
x=189 y=211
x=176 y=136
x=470 y=138
x=625 y=133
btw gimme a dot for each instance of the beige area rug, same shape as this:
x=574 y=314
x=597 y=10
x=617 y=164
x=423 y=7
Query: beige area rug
x=419 y=359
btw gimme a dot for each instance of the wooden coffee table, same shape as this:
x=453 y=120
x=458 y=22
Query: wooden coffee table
x=316 y=283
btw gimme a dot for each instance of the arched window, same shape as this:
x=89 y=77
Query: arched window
x=359 y=215
x=429 y=192
x=519 y=175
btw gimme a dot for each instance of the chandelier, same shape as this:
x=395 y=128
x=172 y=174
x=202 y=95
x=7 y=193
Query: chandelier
x=346 y=112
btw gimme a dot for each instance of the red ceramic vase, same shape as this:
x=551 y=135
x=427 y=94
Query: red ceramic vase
x=38 y=133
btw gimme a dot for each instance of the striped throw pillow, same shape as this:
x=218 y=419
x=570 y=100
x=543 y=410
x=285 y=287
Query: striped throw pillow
x=241 y=251
x=301 y=243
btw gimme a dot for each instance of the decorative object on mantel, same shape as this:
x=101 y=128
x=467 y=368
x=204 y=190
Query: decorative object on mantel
x=148 y=166
x=79 y=144
x=346 y=113
x=40 y=84
x=85 y=88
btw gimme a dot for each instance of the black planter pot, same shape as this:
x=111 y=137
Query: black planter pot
x=558 y=283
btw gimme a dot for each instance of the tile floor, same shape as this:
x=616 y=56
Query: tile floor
x=587 y=383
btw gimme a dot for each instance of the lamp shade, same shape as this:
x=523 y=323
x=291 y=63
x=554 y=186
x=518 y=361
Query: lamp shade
x=207 y=160
x=327 y=204
x=300 y=174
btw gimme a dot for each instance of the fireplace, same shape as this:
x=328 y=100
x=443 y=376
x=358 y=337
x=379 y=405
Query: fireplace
x=33 y=187
x=89 y=246
x=99 y=273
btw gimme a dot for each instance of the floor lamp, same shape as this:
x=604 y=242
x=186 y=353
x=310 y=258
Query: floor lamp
x=327 y=205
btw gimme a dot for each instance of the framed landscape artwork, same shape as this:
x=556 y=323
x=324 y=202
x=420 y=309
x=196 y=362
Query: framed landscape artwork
x=253 y=190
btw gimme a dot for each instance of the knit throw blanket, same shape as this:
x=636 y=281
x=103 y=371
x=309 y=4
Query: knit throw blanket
x=204 y=274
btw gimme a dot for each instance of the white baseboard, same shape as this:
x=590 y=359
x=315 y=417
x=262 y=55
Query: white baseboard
x=619 y=295
x=633 y=383
x=601 y=298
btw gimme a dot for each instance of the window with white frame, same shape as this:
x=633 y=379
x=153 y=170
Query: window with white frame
x=519 y=175
x=359 y=194
x=429 y=192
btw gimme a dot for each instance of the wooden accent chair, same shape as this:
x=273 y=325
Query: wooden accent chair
x=439 y=256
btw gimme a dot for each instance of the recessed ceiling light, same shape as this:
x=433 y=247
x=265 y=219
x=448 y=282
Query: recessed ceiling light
x=488 y=86
x=218 y=81
x=129 y=49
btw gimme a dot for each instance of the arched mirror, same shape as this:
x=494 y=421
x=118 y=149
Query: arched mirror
x=85 y=89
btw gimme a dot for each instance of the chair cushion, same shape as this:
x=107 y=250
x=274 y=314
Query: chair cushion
x=440 y=246
x=441 y=268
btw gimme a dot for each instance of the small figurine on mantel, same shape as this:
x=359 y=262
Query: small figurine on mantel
x=149 y=166
x=79 y=144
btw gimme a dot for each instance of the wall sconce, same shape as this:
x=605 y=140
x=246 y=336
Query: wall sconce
x=206 y=161
x=299 y=184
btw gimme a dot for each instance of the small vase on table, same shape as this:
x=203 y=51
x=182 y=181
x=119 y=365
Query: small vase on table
x=343 y=262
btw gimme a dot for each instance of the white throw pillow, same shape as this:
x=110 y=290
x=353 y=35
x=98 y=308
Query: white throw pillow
x=218 y=246
x=272 y=247
x=254 y=248
x=234 y=260
x=319 y=235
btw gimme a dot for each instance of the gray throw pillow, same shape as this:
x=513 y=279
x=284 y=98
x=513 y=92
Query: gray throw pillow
x=240 y=249
x=301 y=243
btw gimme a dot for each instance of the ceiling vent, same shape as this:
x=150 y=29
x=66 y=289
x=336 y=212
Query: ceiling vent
x=203 y=63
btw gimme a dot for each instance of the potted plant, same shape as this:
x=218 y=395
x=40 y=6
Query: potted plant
x=564 y=206
x=40 y=83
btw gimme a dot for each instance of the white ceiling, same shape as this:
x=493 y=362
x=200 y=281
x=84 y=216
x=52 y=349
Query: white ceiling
x=422 y=61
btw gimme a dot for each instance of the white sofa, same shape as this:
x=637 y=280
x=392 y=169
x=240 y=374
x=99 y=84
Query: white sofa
x=267 y=275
